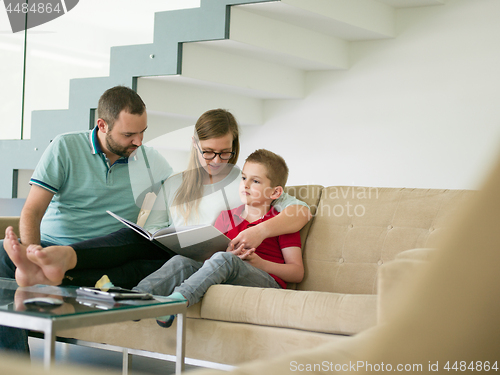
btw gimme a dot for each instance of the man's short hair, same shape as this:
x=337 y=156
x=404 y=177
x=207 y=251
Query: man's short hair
x=276 y=168
x=117 y=99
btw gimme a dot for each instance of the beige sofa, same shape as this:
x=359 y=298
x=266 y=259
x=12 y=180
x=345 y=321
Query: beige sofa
x=446 y=316
x=354 y=232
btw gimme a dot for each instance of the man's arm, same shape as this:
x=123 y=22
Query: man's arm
x=292 y=271
x=31 y=216
x=290 y=220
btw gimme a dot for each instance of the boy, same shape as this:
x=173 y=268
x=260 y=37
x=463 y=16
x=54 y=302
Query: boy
x=275 y=262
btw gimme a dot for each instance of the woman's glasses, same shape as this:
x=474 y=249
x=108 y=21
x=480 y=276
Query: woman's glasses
x=210 y=155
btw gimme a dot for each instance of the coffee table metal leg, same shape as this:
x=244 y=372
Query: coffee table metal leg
x=126 y=361
x=49 y=347
x=181 y=343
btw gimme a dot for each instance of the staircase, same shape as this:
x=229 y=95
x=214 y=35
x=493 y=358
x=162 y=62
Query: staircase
x=234 y=54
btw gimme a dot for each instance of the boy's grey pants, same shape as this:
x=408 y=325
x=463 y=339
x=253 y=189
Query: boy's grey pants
x=192 y=279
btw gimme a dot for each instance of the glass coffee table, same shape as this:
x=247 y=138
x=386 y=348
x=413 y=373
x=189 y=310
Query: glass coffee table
x=75 y=312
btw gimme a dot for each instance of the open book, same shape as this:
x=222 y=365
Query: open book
x=198 y=242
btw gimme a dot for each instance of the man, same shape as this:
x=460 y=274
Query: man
x=83 y=174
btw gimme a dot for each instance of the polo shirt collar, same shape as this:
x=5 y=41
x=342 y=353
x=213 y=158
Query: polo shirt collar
x=95 y=147
x=236 y=212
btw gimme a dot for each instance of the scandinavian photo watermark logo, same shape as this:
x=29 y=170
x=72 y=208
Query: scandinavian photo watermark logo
x=25 y=14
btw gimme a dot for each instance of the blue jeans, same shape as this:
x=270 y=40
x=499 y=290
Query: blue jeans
x=123 y=255
x=192 y=279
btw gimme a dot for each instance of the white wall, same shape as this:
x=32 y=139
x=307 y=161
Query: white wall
x=420 y=110
x=75 y=45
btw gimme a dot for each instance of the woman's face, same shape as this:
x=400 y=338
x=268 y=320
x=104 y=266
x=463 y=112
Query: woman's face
x=222 y=144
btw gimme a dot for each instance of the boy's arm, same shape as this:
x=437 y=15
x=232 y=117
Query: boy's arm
x=290 y=220
x=292 y=271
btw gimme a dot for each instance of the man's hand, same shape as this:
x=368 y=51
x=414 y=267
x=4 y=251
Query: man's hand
x=250 y=238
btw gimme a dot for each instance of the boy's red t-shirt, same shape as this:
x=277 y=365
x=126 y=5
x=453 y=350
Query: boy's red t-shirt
x=231 y=224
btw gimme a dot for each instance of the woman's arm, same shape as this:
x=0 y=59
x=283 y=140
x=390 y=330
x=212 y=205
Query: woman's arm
x=160 y=215
x=290 y=220
x=292 y=271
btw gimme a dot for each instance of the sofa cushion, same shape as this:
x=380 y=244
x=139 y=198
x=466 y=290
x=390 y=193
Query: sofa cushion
x=309 y=194
x=6 y=221
x=357 y=229
x=313 y=311
x=193 y=311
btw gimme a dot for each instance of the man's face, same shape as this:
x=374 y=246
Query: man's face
x=255 y=187
x=126 y=134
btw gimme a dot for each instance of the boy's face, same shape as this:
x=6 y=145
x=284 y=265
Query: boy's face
x=255 y=186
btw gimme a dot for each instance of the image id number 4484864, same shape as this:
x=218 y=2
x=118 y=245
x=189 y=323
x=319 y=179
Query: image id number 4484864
x=35 y=7
x=471 y=366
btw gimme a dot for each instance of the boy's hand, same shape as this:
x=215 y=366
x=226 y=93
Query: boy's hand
x=250 y=256
x=240 y=251
x=231 y=249
x=250 y=238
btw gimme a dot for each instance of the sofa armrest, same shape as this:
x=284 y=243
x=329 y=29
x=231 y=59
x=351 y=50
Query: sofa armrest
x=423 y=253
x=392 y=283
x=394 y=277
x=6 y=221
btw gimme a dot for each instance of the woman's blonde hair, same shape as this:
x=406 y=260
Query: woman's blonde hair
x=215 y=123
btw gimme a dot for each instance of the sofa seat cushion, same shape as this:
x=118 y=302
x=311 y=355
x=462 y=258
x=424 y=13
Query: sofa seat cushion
x=194 y=311
x=325 y=312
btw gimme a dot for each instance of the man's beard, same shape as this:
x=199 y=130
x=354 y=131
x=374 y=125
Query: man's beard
x=117 y=149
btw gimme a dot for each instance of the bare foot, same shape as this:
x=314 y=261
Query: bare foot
x=53 y=260
x=27 y=272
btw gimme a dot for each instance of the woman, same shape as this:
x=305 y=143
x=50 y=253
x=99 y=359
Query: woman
x=210 y=183
x=195 y=196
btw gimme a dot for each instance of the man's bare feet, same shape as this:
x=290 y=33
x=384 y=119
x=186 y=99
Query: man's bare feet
x=27 y=272
x=53 y=260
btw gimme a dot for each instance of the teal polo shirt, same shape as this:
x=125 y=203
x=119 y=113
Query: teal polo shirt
x=75 y=169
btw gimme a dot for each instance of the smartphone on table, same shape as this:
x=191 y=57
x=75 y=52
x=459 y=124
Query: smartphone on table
x=114 y=293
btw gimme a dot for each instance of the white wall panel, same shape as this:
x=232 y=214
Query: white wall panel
x=420 y=110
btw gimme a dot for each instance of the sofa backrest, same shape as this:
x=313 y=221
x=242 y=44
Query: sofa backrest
x=357 y=229
x=311 y=195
